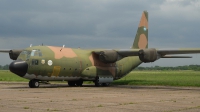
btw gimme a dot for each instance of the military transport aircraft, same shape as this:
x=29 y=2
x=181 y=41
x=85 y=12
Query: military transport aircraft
x=49 y=63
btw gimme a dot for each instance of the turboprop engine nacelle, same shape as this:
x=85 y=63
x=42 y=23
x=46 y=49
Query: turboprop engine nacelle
x=14 y=54
x=108 y=56
x=148 y=55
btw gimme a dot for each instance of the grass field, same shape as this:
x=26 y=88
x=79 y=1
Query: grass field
x=6 y=75
x=165 y=78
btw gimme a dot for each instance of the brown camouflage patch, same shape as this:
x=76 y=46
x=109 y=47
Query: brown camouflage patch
x=65 y=52
x=143 y=21
x=142 y=41
x=96 y=62
x=56 y=71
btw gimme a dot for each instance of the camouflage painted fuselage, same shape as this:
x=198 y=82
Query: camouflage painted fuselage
x=57 y=63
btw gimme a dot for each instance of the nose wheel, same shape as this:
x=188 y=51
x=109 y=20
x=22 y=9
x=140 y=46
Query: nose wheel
x=34 y=83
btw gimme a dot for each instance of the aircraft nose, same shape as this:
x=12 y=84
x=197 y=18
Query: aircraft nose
x=19 y=67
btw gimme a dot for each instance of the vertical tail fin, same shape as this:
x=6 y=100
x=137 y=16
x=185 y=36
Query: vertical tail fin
x=141 y=38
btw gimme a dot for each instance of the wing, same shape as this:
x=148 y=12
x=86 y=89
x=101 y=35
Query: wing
x=162 y=52
x=5 y=50
x=148 y=55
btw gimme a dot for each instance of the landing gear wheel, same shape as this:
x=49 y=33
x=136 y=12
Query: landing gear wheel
x=71 y=83
x=105 y=84
x=79 y=83
x=34 y=83
x=96 y=84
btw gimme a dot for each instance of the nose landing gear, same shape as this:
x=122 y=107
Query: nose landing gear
x=34 y=83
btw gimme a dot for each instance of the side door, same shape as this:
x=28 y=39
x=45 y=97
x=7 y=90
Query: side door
x=34 y=66
x=35 y=62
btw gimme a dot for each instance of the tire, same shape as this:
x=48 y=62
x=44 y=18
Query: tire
x=71 y=83
x=79 y=83
x=34 y=83
x=105 y=84
x=30 y=84
x=96 y=82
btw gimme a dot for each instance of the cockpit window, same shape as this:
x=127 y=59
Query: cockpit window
x=26 y=54
x=36 y=53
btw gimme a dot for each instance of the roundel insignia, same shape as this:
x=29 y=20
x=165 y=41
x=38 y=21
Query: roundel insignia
x=50 y=63
x=43 y=61
x=145 y=28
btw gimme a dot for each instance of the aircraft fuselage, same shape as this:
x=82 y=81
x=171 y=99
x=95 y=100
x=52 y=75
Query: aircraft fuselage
x=50 y=63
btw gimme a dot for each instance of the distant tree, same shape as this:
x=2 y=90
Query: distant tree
x=185 y=67
x=5 y=67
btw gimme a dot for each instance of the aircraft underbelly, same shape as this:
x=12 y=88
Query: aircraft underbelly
x=57 y=78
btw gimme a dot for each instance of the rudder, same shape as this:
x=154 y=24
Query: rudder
x=141 y=38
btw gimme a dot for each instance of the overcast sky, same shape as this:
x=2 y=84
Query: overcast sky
x=100 y=24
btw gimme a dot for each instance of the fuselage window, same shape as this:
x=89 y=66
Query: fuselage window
x=34 y=62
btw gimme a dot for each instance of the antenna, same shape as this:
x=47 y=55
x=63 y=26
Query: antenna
x=62 y=47
x=30 y=45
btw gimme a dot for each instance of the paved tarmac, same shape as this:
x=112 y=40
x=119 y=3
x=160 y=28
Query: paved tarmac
x=18 y=97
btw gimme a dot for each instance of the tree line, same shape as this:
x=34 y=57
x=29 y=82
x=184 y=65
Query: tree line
x=185 y=67
x=4 y=67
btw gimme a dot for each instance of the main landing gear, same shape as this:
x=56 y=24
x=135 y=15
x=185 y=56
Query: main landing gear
x=75 y=83
x=97 y=83
x=34 y=83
